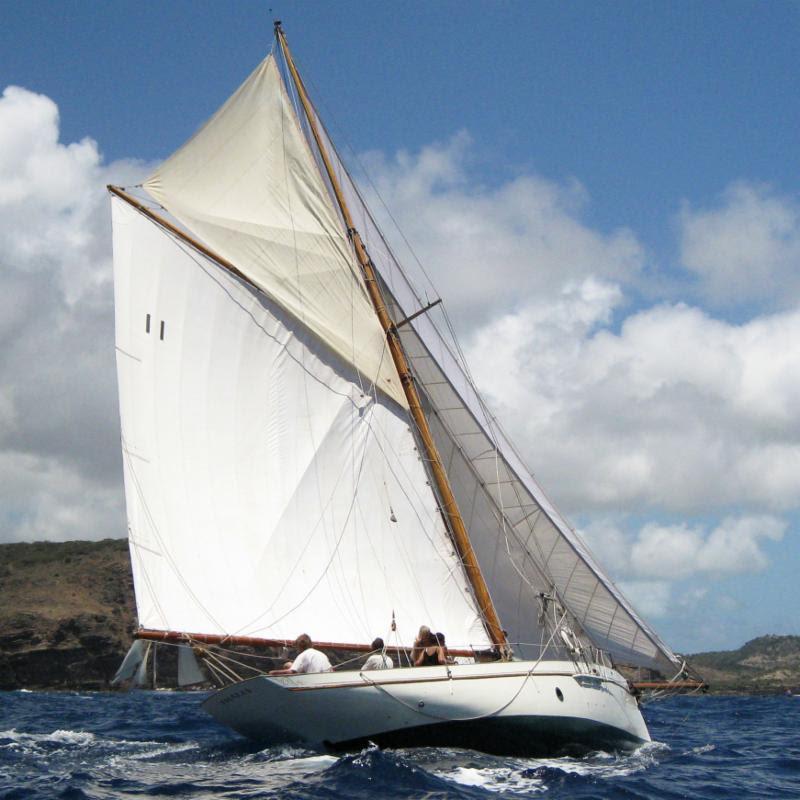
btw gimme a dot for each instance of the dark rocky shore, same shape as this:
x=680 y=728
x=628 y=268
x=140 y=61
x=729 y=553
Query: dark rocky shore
x=67 y=614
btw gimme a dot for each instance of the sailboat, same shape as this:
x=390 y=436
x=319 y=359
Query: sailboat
x=305 y=452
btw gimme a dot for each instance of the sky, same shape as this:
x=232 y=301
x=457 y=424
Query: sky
x=606 y=195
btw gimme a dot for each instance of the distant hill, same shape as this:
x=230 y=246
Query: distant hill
x=67 y=613
x=767 y=664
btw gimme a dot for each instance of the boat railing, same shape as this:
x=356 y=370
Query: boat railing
x=226 y=664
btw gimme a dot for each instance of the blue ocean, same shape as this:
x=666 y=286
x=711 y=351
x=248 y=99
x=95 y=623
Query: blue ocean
x=160 y=744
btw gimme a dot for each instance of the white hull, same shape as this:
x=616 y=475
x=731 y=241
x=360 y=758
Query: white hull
x=513 y=708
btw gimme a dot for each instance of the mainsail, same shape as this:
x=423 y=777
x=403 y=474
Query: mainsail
x=272 y=475
x=269 y=490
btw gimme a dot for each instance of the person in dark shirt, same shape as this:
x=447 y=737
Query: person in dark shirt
x=430 y=652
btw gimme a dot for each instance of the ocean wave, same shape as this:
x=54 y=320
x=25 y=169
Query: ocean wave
x=57 y=745
x=535 y=775
x=59 y=737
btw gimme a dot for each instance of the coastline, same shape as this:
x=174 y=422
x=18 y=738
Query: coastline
x=68 y=614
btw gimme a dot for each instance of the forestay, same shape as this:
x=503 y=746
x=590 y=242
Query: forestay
x=523 y=544
x=247 y=186
x=269 y=491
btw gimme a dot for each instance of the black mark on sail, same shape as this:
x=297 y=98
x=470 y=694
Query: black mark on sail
x=162 y=330
x=147 y=324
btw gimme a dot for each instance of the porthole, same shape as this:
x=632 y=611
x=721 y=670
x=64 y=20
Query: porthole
x=559 y=694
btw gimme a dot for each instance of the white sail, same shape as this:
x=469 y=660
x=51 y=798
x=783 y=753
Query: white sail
x=189 y=672
x=140 y=679
x=269 y=491
x=246 y=184
x=131 y=663
x=523 y=544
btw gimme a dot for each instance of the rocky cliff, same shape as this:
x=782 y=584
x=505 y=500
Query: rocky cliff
x=66 y=613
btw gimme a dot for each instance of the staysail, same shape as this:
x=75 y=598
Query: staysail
x=524 y=545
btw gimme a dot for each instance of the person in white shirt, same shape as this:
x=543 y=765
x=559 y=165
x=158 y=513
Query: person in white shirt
x=378 y=660
x=307 y=660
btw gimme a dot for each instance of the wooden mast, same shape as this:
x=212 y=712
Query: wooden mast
x=452 y=514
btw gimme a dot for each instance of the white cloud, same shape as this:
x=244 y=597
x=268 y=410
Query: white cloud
x=669 y=553
x=493 y=247
x=746 y=251
x=675 y=412
x=734 y=546
x=666 y=552
x=651 y=598
x=59 y=431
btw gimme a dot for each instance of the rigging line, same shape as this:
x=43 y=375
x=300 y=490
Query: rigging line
x=345 y=597
x=446 y=519
x=367 y=414
x=230 y=660
x=218 y=678
x=451 y=562
x=132 y=540
x=388 y=250
x=312 y=122
x=491 y=423
x=344 y=589
x=461 y=358
x=225 y=650
x=364 y=453
x=401 y=544
x=148 y=581
x=470 y=465
x=230 y=673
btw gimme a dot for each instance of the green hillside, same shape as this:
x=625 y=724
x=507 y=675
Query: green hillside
x=767 y=664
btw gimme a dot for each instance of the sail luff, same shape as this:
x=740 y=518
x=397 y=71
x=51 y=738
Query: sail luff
x=449 y=505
